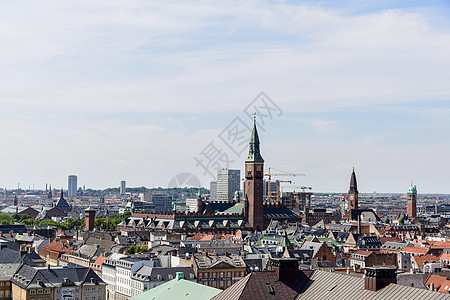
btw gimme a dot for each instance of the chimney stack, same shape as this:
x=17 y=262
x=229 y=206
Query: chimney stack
x=286 y=268
x=377 y=278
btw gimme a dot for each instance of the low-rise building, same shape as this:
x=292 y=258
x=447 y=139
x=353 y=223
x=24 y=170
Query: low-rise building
x=219 y=271
x=45 y=283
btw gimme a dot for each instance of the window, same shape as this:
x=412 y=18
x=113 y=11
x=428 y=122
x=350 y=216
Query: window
x=93 y=298
x=32 y=292
x=40 y=291
x=93 y=289
x=221 y=283
x=47 y=291
x=99 y=289
x=46 y=299
x=7 y=283
x=99 y=297
x=87 y=290
x=87 y=298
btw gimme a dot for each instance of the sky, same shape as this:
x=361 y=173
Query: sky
x=137 y=90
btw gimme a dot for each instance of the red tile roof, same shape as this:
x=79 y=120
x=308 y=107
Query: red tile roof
x=363 y=252
x=445 y=256
x=436 y=280
x=416 y=250
x=421 y=260
x=445 y=287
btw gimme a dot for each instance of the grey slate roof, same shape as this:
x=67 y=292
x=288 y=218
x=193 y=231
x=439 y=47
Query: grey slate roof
x=7 y=271
x=29 y=277
x=331 y=285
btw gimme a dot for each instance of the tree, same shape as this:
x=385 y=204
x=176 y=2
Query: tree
x=131 y=250
x=401 y=221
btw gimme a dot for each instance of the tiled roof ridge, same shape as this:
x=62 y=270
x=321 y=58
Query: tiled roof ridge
x=245 y=285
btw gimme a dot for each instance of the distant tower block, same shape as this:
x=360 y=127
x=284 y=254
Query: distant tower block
x=412 y=202
x=353 y=193
x=123 y=187
x=89 y=213
x=72 y=191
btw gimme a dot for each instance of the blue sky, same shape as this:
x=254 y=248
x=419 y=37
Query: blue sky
x=133 y=91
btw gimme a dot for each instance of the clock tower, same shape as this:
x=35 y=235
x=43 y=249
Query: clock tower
x=254 y=174
x=353 y=193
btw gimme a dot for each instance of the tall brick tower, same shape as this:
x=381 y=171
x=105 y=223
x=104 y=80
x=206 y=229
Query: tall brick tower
x=353 y=193
x=89 y=213
x=412 y=202
x=254 y=167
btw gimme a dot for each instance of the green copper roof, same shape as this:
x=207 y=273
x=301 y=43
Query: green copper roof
x=254 y=154
x=412 y=190
x=235 y=209
x=177 y=290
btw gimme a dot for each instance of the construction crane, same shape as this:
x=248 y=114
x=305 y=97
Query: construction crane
x=269 y=179
x=303 y=188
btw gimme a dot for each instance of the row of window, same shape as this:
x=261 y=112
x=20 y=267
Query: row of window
x=5 y=283
x=40 y=291
x=220 y=274
x=219 y=284
x=47 y=291
x=5 y=294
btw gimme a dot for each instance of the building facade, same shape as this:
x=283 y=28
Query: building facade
x=162 y=201
x=122 y=188
x=219 y=271
x=213 y=191
x=57 y=283
x=72 y=191
x=228 y=182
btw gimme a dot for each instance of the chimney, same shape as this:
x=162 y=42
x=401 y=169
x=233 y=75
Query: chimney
x=432 y=286
x=286 y=268
x=377 y=278
x=22 y=250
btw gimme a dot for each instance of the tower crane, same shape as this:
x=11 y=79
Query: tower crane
x=269 y=179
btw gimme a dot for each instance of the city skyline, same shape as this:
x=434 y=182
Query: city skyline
x=126 y=95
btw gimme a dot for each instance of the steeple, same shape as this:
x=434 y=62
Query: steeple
x=254 y=154
x=352 y=194
x=353 y=185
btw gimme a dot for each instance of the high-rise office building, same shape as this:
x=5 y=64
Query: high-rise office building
x=213 y=191
x=123 y=187
x=228 y=182
x=72 y=191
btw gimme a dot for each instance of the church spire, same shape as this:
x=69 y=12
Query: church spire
x=353 y=185
x=254 y=154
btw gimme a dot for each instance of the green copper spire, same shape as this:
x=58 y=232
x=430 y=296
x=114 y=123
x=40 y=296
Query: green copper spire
x=254 y=154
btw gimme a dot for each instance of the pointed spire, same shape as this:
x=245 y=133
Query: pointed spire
x=353 y=185
x=254 y=154
x=62 y=194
